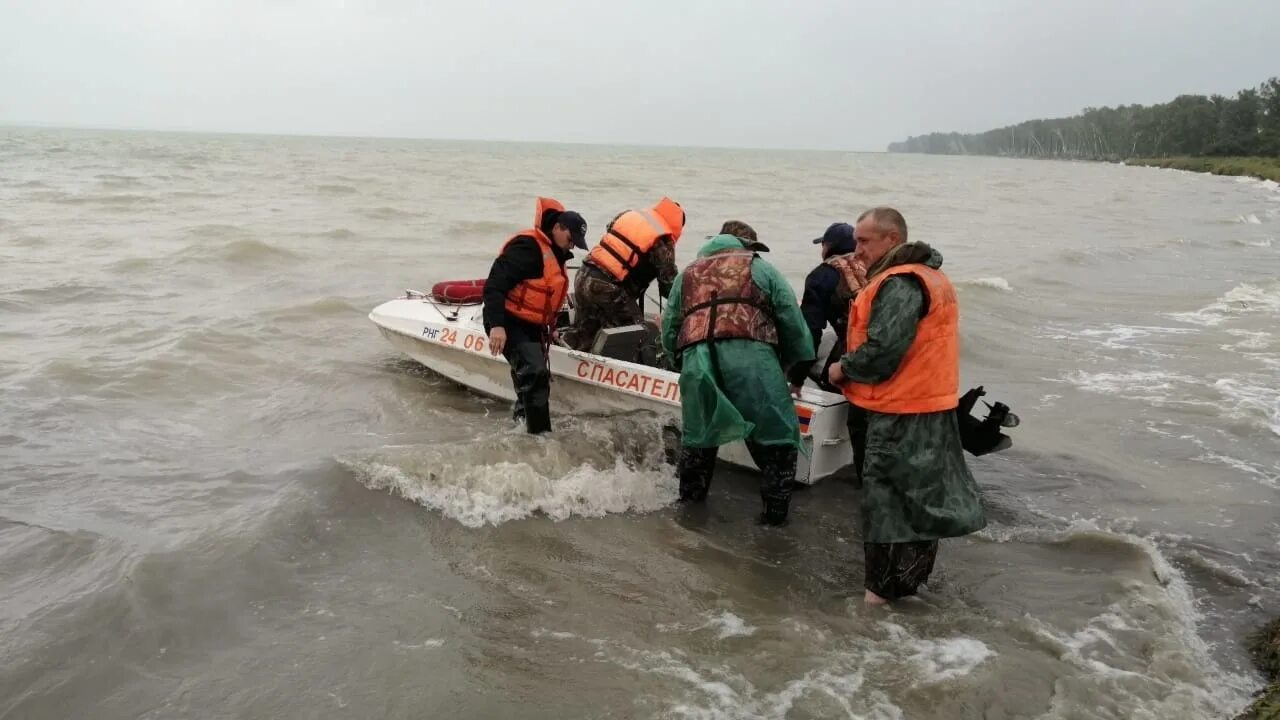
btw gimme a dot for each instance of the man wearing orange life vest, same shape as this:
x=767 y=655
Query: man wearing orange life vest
x=901 y=374
x=523 y=295
x=637 y=247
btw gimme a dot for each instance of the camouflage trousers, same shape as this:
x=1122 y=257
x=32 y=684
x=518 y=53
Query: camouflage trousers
x=892 y=570
x=896 y=570
x=599 y=303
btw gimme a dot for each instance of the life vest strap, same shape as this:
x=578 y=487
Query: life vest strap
x=731 y=300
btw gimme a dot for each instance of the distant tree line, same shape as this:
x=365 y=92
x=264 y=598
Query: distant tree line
x=1245 y=125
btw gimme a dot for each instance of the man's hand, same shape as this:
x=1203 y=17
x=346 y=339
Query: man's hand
x=795 y=391
x=836 y=374
x=497 y=340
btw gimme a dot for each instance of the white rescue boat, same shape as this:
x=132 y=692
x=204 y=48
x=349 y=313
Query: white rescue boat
x=447 y=336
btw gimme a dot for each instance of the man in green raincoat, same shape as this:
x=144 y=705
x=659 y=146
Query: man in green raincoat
x=902 y=378
x=734 y=327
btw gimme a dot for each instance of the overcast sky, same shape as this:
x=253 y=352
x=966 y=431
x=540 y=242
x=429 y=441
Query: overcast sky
x=841 y=74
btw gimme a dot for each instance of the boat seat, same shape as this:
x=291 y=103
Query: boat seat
x=632 y=343
x=620 y=343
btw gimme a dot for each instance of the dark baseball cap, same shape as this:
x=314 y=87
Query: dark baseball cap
x=835 y=234
x=576 y=226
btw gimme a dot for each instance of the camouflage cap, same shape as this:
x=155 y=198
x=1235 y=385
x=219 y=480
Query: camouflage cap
x=737 y=228
x=745 y=233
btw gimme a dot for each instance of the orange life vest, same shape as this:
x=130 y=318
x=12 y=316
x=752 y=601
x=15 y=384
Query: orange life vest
x=632 y=234
x=538 y=301
x=928 y=380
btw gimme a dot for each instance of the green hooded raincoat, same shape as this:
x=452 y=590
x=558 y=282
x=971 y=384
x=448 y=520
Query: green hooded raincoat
x=752 y=400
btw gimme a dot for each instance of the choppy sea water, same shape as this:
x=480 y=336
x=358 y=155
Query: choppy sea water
x=222 y=494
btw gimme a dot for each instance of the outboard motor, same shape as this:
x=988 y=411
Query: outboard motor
x=980 y=437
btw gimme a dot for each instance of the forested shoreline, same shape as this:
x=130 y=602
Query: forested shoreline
x=1185 y=132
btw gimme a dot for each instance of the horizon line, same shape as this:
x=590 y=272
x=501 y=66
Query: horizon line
x=42 y=125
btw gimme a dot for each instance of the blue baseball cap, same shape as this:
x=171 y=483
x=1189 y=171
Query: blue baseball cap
x=835 y=234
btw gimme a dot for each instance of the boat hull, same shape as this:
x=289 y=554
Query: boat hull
x=450 y=340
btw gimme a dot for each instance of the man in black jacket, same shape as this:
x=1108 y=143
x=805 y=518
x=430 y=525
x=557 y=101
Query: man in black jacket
x=827 y=292
x=522 y=297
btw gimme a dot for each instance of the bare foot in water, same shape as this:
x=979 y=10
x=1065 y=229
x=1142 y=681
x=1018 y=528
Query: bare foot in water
x=873 y=599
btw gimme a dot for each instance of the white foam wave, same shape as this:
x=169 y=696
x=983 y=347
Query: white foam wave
x=1160 y=619
x=717 y=691
x=729 y=625
x=1209 y=455
x=554 y=634
x=1138 y=657
x=1240 y=300
x=942 y=659
x=428 y=644
x=597 y=469
x=493 y=494
x=1248 y=399
x=725 y=623
x=1116 y=337
x=1270 y=185
x=1270 y=478
x=1253 y=340
x=1231 y=574
x=1151 y=385
x=1249 y=219
x=1252 y=402
x=994 y=283
x=1255 y=242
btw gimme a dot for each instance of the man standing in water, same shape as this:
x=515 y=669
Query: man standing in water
x=827 y=292
x=526 y=288
x=733 y=326
x=902 y=370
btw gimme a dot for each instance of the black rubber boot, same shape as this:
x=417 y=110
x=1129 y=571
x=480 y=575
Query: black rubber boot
x=777 y=465
x=775 y=512
x=532 y=381
x=696 y=468
x=537 y=419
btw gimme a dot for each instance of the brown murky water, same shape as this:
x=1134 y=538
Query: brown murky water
x=223 y=495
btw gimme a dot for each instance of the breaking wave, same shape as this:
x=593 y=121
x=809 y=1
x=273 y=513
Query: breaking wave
x=1247 y=399
x=1257 y=243
x=1114 y=336
x=1141 y=651
x=1240 y=300
x=842 y=681
x=1251 y=401
x=993 y=283
x=593 y=468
